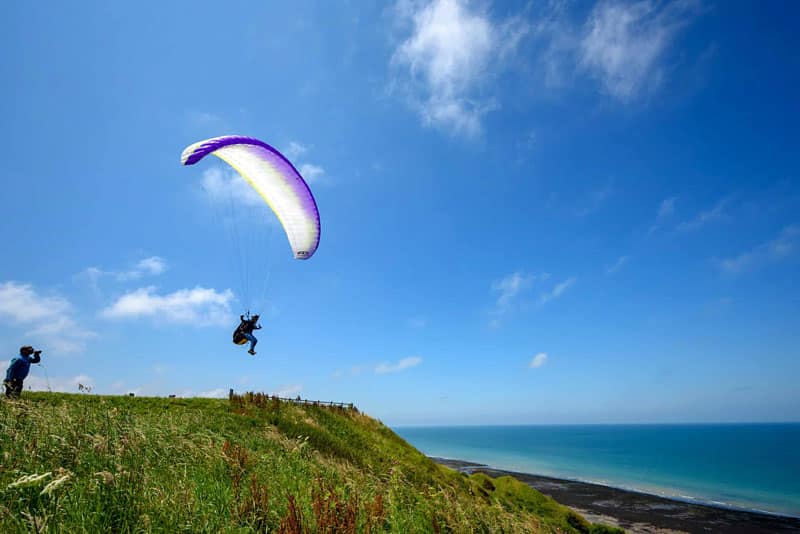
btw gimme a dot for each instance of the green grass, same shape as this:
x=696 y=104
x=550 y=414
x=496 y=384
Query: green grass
x=253 y=464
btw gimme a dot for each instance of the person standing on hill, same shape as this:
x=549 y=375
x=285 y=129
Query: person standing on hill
x=18 y=370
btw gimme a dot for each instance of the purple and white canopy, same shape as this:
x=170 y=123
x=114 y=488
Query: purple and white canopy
x=275 y=179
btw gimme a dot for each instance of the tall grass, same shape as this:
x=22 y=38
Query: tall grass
x=87 y=463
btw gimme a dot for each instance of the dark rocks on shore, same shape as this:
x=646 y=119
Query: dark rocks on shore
x=640 y=512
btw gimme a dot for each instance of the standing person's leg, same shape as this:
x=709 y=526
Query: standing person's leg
x=13 y=388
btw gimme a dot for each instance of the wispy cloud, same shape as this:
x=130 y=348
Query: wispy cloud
x=289 y=390
x=667 y=207
x=453 y=49
x=509 y=287
x=22 y=304
x=538 y=360
x=624 y=43
x=226 y=186
x=217 y=393
x=405 y=363
x=121 y=387
x=418 y=322
x=204 y=118
x=198 y=306
x=594 y=200
x=557 y=291
x=48 y=320
x=561 y=40
x=716 y=213
x=353 y=371
x=152 y=266
x=782 y=246
x=617 y=265
x=36 y=382
x=665 y=210
x=445 y=60
x=311 y=172
x=295 y=150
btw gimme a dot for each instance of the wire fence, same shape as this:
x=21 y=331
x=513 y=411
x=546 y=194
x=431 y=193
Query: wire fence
x=260 y=398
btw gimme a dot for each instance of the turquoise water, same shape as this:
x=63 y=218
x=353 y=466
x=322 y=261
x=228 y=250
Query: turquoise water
x=750 y=466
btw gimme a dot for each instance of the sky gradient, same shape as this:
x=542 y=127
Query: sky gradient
x=543 y=212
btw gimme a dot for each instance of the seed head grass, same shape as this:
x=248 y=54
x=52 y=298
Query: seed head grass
x=251 y=463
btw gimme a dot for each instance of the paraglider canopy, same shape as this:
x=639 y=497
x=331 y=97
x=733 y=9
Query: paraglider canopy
x=275 y=179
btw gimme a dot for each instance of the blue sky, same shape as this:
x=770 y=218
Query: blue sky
x=539 y=212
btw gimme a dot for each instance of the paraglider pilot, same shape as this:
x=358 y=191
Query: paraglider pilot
x=246 y=329
x=18 y=370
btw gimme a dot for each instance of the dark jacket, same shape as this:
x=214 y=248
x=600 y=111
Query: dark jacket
x=248 y=325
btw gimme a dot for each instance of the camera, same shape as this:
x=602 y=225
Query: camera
x=37 y=352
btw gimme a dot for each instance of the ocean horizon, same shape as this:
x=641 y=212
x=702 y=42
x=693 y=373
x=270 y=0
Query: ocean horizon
x=747 y=466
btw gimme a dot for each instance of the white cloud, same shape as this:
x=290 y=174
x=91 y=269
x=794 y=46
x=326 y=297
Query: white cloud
x=561 y=41
x=199 y=306
x=311 y=172
x=511 y=286
x=557 y=291
x=452 y=49
x=218 y=393
x=47 y=319
x=705 y=217
x=624 y=43
x=665 y=210
x=152 y=266
x=621 y=261
x=405 y=363
x=667 y=207
x=509 y=290
x=226 y=186
x=295 y=150
x=774 y=250
x=37 y=382
x=538 y=360
x=22 y=304
x=289 y=390
x=62 y=335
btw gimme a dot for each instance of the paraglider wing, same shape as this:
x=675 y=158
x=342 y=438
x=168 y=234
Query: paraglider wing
x=275 y=179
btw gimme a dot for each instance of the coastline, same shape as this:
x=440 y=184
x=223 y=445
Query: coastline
x=638 y=512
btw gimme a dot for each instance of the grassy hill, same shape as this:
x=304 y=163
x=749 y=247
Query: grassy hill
x=88 y=463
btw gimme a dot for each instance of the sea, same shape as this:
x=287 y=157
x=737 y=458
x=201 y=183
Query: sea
x=753 y=467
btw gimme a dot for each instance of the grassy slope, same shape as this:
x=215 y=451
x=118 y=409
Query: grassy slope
x=126 y=464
